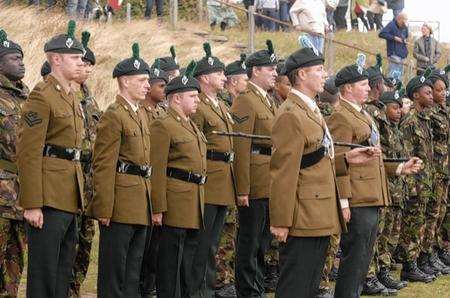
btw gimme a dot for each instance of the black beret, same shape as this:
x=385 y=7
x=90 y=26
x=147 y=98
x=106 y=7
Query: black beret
x=8 y=46
x=263 y=57
x=209 y=63
x=156 y=73
x=350 y=74
x=132 y=66
x=375 y=72
x=392 y=97
x=169 y=63
x=237 y=67
x=304 y=57
x=330 y=86
x=418 y=82
x=45 y=69
x=88 y=56
x=280 y=67
x=185 y=82
x=439 y=74
x=65 y=43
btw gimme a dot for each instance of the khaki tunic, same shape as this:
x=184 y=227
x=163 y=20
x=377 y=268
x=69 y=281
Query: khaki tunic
x=303 y=200
x=219 y=188
x=50 y=116
x=252 y=114
x=365 y=184
x=178 y=144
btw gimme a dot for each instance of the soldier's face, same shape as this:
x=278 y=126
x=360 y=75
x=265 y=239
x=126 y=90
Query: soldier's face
x=283 y=87
x=394 y=112
x=12 y=67
x=137 y=86
x=85 y=73
x=265 y=76
x=240 y=82
x=424 y=96
x=71 y=65
x=360 y=91
x=157 y=92
x=189 y=102
x=439 y=92
x=216 y=80
x=313 y=78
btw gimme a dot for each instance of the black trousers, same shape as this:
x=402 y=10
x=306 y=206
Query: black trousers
x=339 y=17
x=253 y=240
x=301 y=262
x=177 y=248
x=150 y=260
x=120 y=254
x=357 y=251
x=51 y=253
x=204 y=269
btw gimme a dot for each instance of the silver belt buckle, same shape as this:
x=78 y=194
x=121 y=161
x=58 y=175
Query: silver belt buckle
x=77 y=155
x=202 y=180
x=148 y=172
x=230 y=156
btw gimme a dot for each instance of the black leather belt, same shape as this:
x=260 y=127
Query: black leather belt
x=312 y=158
x=264 y=150
x=186 y=176
x=55 y=151
x=132 y=169
x=227 y=157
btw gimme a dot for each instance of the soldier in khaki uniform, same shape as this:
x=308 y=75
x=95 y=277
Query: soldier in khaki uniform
x=364 y=188
x=213 y=115
x=169 y=65
x=179 y=162
x=237 y=79
x=13 y=93
x=122 y=173
x=50 y=173
x=253 y=112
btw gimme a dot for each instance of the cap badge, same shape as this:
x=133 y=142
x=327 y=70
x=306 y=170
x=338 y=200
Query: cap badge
x=442 y=72
x=69 y=42
x=243 y=66
x=6 y=44
x=137 y=64
x=184 y=80
x=210 y=61
x=396 y=95
x=360 y=70
x=156 y=72
x=175 y=60
x=272 y=57
x=422 y=79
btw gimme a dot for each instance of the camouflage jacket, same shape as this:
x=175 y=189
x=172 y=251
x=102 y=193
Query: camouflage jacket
x=440 y=126
x=91 y=116
x=325 y=108
x=376 y=110
x=11 y=100
x=417 y=138
x=226 y=97
x=391 y=140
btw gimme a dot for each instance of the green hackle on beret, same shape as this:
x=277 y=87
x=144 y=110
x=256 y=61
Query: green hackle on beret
x=270 y=46
x=71 y=29
x=207 y=49
x=3 y=36
x=85 y=36
x=427 y=73
x=379 y=60
x=135 y=49
x=447 y=69
x=243 y=57
x=157 y=64
x=190 y=70
x=172 y=52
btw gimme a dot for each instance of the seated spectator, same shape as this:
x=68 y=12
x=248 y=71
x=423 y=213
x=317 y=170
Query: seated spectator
x=375 y=14
x=310 y=16
x=427 y=50
x=268 y=8
x=221 y=14
x=396 y=35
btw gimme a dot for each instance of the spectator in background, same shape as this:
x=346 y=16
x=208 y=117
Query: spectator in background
x=221 y=14
x=149 y=8
x=310 y=16
x=77 y=8
x=375 y=14
x=396 y=35
x=50 y=3
x=285 y=6
x=427 y=50
x=396 y=6
x=331 y=6
x=358 y=7
x=268 y=8
x=339 y=15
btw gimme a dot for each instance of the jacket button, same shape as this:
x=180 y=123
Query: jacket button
x=317 y=195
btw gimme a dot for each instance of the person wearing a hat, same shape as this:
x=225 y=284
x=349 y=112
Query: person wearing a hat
x=178 y=193
x=153 y=107
x=122 y=171
x=363 y=189
x=213 y=115
x=282 y=86
x=91 y=116
x=418 y=139
x=13 y=92
x=328 y=100
x=50 y=172
x=253 y=112
x=437 y=205
x=170 y=64
x=237 y=80
x=376 y=83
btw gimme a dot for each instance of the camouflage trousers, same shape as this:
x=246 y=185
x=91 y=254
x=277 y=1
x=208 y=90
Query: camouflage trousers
x=445 y=229
x=442 y=190
x=12 y=255
x=86 y=232
x=330 y=262
x=272 y=256
x=436 y=205
x=226 y=252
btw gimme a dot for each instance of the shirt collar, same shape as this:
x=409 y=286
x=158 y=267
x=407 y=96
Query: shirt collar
x=309 y=102
x=354 y=105
x=214 y=101
x=259 y=89
x=133 y=106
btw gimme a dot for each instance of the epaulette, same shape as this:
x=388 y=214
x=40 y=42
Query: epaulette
x=289 y=106
x=113 y=106
x=41 y=86
x=160 y=113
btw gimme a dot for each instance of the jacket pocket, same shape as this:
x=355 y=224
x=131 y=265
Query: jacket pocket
x=177 y=186
x=125 y=180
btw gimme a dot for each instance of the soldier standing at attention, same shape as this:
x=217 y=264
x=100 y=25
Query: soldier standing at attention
x=13 y=93
x=376 y=83
x=92 y=114
x=50 y=173
x=122 y=173
x=213 y=115
x=236 y=73
x=364 y=188
x=253 y=112
x=169 y=64
x=179 y=162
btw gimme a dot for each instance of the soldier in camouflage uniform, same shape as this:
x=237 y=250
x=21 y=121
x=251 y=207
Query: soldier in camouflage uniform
x=13 y=93
x=91 y=116
x=417 y=138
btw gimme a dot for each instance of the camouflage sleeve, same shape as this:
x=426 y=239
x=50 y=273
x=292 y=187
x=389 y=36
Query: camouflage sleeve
x=32 y=135
x=410 y=144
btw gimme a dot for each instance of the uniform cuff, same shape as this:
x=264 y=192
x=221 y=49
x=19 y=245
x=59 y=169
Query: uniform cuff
x=344 y=203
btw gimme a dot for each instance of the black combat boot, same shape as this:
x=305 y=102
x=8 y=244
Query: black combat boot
x=325 y=293
x=385 y=277
x=444 y=255
x=271 y=278
x=411 y=272
x=227 y=291
x=436 y=264
x=372 y=286
x=424 y=265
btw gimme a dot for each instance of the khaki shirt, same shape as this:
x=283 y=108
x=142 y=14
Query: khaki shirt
x=219 y=188
x=50 y=116
x=178 y=144
x=122 y=134
x=252 y=114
